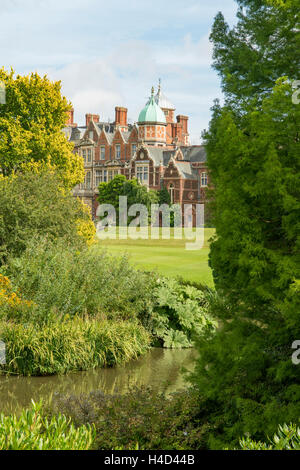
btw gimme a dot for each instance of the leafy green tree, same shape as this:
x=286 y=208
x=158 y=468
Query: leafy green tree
x=31 y=123
x=263 y=46
x=37 y=205
x=246 y=379
x=135 y=192
x=164 y=196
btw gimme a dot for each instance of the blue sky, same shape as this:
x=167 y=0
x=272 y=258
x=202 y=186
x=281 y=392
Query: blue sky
x=109 y=53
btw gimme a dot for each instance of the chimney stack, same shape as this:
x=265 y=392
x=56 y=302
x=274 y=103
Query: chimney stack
x=184 y=121
x=121 y=116
x=91 y=117
x=70 y=119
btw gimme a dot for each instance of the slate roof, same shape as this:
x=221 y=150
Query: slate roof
x=194 y=153
x=186 y=170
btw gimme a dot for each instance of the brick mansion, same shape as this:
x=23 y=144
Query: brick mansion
x=155 y=150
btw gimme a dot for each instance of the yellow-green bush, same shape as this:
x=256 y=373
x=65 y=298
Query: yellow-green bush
x=34 y=431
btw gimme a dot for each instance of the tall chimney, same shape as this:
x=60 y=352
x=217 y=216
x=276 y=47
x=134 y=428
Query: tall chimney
x=184 y=121
x=121 y=116
x=91 y=117
x=70 y=117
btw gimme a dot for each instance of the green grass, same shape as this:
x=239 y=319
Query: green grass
x=169 y=257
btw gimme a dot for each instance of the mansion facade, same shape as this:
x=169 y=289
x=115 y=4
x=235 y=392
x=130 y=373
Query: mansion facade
x=155 y=150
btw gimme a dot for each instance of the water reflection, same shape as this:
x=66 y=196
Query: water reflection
x=160 y=369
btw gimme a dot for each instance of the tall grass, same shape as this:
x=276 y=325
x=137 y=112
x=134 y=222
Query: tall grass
x=33 y=431
x=73 y=345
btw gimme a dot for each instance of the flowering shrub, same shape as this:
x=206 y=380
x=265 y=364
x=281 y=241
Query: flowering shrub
x=11 y=303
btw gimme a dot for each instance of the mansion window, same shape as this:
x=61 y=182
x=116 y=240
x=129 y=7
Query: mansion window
x=118 y=151
x=91 y=135
x=88 y=180
x=203 y=179
x=102 y=152
x=98 y=178
x=112 y=174
x=103 y=176
x=142 y=174
x=87 y=155
x=133 y=149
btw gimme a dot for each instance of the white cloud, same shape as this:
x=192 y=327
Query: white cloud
x=110 y=53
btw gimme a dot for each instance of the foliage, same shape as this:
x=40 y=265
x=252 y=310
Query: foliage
x=12 y=303
x=63 y=281
x=33 y=204
x=287 y=438
x=34 y=431
x=70 y=345
x=164 y=196
x=180 y=312
x=259 y=49
x=245 y=374
x=245 y=370
x=31 y=124
x=135 y=192
x=141 y=416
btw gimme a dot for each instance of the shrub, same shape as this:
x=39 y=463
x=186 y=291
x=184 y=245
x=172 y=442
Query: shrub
x=142 y=416
x=34 y=204
x=77 y=344
x=180 y=312
x=33 y=431
x=64 y=281
x=287 y=438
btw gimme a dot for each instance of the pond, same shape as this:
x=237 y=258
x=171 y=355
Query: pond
x=162 y=369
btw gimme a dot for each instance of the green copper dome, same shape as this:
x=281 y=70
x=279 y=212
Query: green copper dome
x=152 y=112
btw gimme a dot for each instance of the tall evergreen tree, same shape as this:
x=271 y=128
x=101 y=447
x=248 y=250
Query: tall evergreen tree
x=246 y=379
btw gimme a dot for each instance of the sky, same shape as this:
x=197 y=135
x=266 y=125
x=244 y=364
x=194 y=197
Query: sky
x=110 y=53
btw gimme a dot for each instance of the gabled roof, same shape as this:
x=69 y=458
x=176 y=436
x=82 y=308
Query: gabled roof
x=186 y=170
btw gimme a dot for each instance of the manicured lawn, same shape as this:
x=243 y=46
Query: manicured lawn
x=169 y=257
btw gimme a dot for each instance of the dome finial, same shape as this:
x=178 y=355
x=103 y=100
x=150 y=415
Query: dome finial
x=152 y=91
x=159 y=84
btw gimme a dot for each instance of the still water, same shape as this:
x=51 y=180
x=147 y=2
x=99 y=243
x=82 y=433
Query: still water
x=162 y=369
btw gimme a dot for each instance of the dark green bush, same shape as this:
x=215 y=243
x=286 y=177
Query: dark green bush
x=142 y=416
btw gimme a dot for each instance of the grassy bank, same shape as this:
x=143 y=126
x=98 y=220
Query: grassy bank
x=78 y=344
x=169 y=257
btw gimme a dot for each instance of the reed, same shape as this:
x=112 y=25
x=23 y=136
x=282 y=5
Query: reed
x=72 y=345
